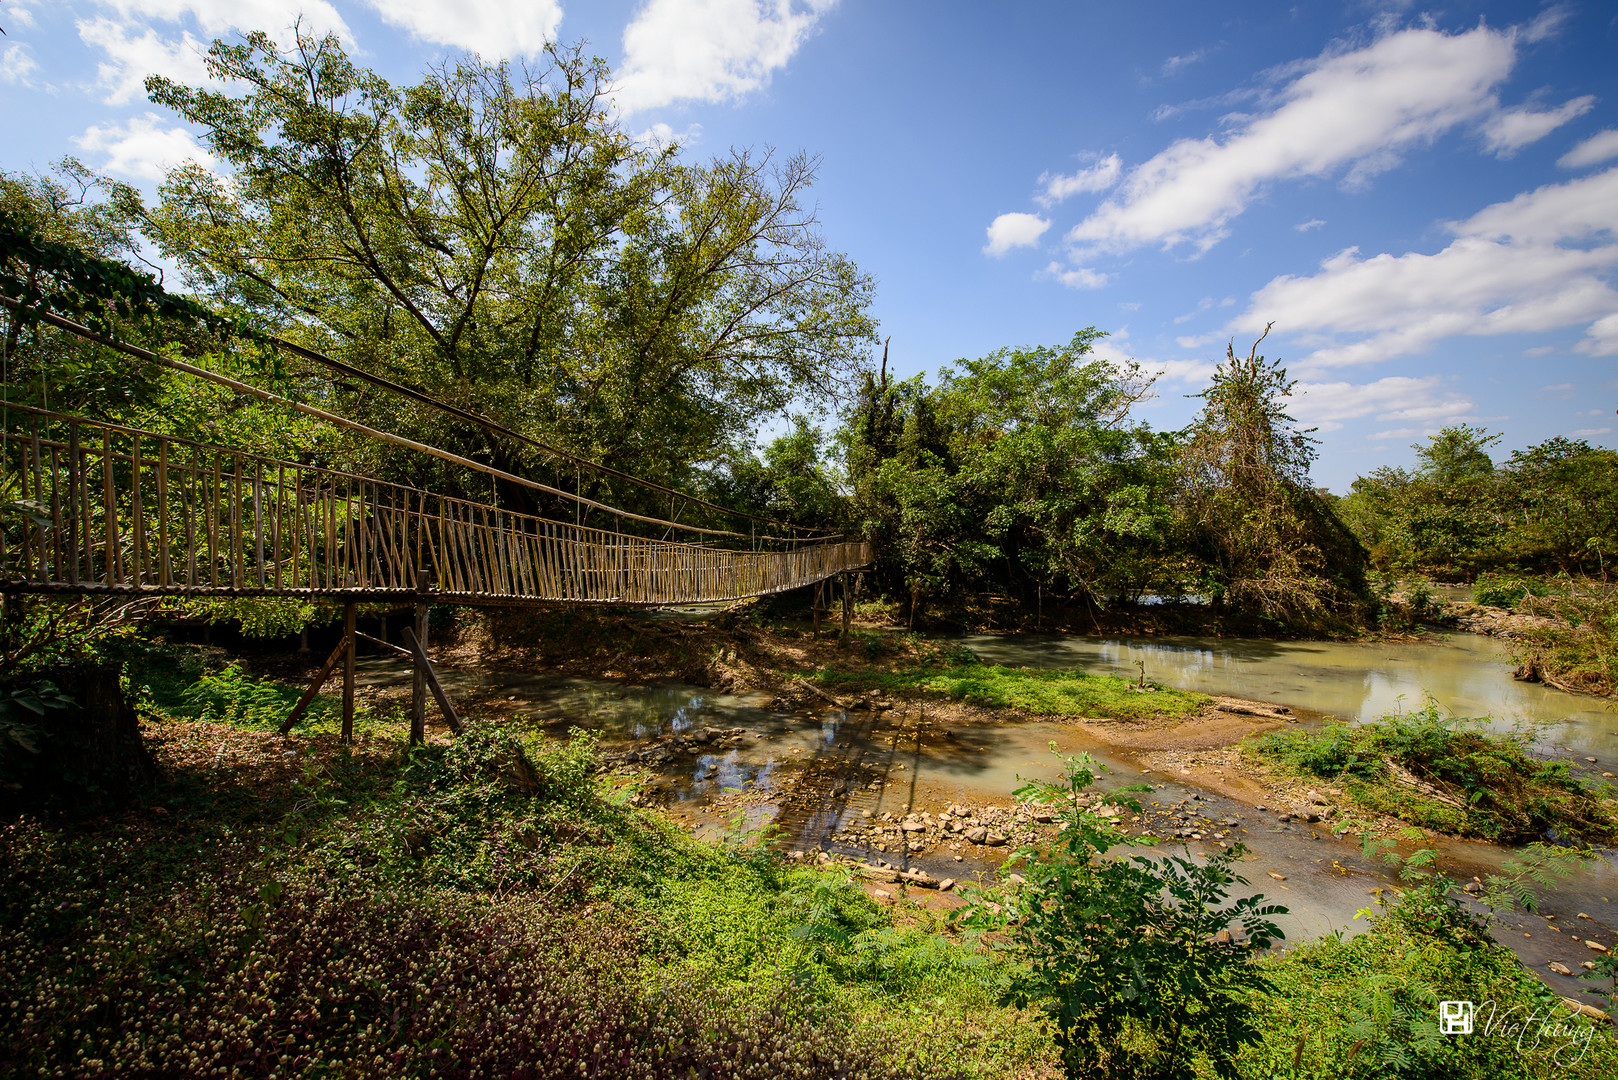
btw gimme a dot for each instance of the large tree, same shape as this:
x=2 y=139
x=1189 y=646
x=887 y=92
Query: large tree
x=490 y=236
x=1275 y=544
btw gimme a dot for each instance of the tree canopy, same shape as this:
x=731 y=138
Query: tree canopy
x=488 y=235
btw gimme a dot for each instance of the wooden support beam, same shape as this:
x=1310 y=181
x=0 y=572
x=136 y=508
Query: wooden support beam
x=343 y=646
x=425 y=666
x=848 y=604
x=418 y=689
x=349 y=612
x=384 y=644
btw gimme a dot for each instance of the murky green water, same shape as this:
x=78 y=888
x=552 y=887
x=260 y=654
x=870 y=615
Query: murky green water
x=1466 y=673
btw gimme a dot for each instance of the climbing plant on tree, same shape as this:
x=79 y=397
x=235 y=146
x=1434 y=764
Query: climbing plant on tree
x=1274 y=544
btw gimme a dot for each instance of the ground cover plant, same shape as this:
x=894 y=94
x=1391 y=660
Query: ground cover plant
x=490 y=906
x=1576 y=647
x=1446 y=774
x=1366 y=1006
x=1043 y=692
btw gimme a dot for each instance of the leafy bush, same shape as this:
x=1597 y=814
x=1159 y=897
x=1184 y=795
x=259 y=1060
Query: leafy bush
x=1505 y=590
x=231 y=696
x=1444 y=773
x=1133 y=957
x=1366 y=1007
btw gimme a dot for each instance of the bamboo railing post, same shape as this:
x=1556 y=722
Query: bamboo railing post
x=348 y=672
x=418 y=688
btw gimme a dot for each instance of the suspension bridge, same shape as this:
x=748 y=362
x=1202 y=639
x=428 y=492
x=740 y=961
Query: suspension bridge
x=98 y=509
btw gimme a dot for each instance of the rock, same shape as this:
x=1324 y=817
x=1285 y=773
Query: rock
x=1223 y=938
x=1591 y=760
x=1594 y=945
x=946 y=885
x=1315 y=797
x=1585 y=1010
x=913 y=826
x=1278 y=877
x=995 y=839
x=1560 y=968
x=977 y=834
x=1582 y=915
x=1588 y=965
x=1472 y=887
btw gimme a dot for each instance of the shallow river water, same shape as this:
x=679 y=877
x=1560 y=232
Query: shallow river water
x=817 y=769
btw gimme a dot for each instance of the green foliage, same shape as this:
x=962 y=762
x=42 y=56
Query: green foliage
x=1367 y=1006
x=230 y=696
x=1577 y=648
x=1505 y=590
x=1132 y=956
x=1276 y=546
x=497 y=241
x=1045 y=692
x=1444 y=773
x=1551 y=507
x=1020 y=472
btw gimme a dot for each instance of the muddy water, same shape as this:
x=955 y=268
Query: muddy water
x=814 y=771
x=1466 y=674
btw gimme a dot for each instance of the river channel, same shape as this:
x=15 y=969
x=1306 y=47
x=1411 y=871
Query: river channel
x=810 y=772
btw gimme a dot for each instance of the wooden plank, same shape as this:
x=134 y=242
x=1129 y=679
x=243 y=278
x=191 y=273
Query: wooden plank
x=137 y=516
x=56 y=521
x=165 y=569
x=275 y=522
x=426 y=667
x=109 y=507
x=74 y=501
x=258 y=519
x=418 y=676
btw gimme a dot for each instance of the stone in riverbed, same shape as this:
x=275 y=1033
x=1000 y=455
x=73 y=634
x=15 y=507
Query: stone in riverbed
x=977 y=834
x=1560 y=968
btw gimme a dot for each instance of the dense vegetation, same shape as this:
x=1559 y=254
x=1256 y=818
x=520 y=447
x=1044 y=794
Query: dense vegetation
x=1446 y=774
x=498 y=904
x=1551 y=508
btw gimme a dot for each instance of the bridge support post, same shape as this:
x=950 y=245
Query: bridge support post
x=348 y=671
x=848 y=604
x=820 y=590
x=418 y=687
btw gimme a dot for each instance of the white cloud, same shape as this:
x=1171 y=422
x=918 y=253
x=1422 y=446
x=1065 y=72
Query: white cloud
x=1510 y=130
x=493 y=28
x=1312 y=223
x=1599 y=147
x=1192 y=372
x=16 y=66
x=142 y=149
x=1397 y=398
x=1533 y=264
x=1196 y=342
x=1356 y=110
x=660 y=135
x=710 y=50
x=1589 y=432
x=1557 y=390
x=132 y=57
x=1080 y=277
x=18 y=12
x=1098 y=177
x=1175 y=63
x=1014 y=231
x=135 y=49
x=1539 y=350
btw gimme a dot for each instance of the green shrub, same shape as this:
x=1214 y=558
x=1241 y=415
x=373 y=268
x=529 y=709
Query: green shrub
x=1132 y=957
x=1444 y=773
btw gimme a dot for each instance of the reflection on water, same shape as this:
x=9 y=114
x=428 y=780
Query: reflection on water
x=1466 y=674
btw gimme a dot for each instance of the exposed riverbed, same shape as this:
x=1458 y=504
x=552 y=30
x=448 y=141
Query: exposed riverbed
x=720 y=758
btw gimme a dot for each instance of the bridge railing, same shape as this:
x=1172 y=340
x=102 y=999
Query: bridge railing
x=90 y=507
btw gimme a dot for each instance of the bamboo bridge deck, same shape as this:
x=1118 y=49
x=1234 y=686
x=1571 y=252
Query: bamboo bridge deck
x=97 y=508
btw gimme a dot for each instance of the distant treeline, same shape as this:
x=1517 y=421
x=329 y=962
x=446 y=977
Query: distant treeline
x=1551 y=508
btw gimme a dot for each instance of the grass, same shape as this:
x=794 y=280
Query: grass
x=1366 y=1007
x=484 y=907
x=1444 y=774
x=1041 y=692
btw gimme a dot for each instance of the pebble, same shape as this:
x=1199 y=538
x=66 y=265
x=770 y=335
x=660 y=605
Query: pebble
x=1595 y=945
x=1278 y=877
x=1560 y=969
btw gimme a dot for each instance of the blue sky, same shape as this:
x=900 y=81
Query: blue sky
x=1425 y=201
